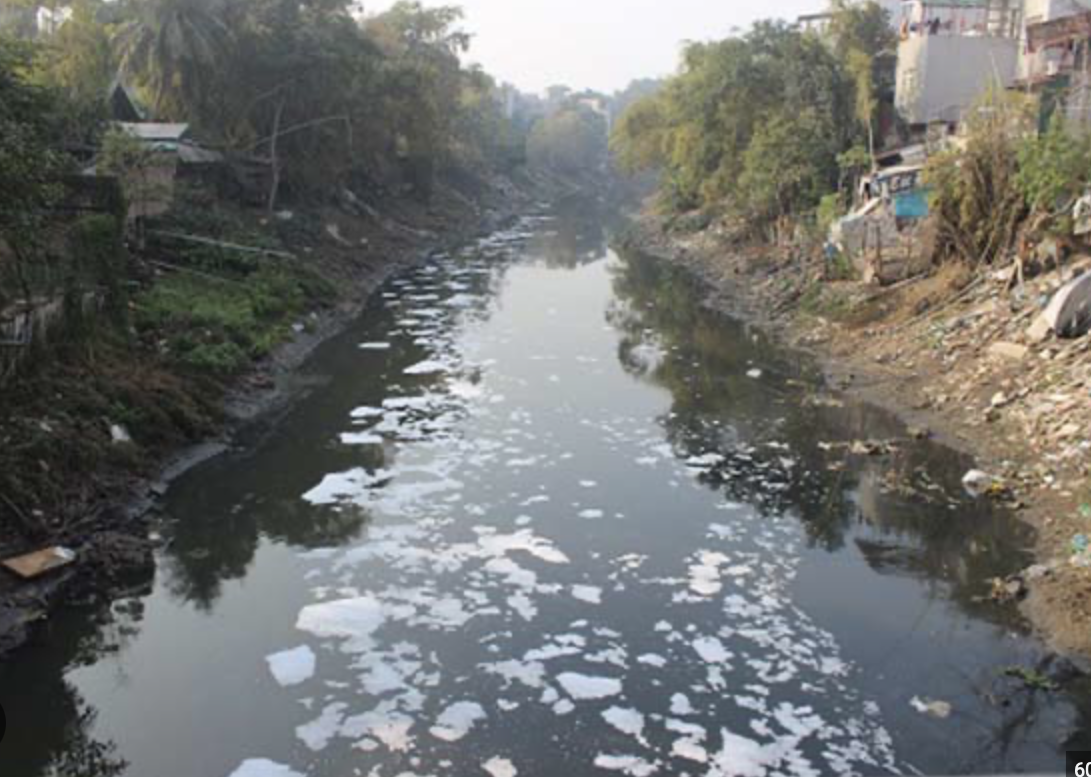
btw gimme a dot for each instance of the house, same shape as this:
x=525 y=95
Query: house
x=1058 y=65
x=1039 y=62
x=150 y=186
x=952 y=51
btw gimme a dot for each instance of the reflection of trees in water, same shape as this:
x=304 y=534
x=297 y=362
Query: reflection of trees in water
x=896 y=509
x=576 y=236
x=786 y=455
x=222 y=521
x=61 y=740
x=224 y=511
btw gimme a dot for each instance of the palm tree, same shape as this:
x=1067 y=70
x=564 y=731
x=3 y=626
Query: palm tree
x=176 y=48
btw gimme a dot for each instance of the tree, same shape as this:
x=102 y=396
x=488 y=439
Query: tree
x=571 y=141
x=699 y=128
x=30 y=167
x=786 y=169
x=640 y=137
x=78 y=62
x=177 y=49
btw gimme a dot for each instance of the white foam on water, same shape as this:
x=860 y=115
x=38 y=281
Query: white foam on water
x=742 y=757
x=457 y=721
x=680 y=705
x=427 y=367
x=360 y=439
x=591 y=515
x=522 y=605
x=705 y=576
x=317 y=734
x=353 y=619
x=292 y=667
x=383 y=724
x=261 y=767
x=689 y=749
x=500 y=767
x=587 y=593
x=711 y=650
x=627 y=721
x=363 y=413
x=583 y=687
x=626 y=764
x=652 y=659
x=564 y=707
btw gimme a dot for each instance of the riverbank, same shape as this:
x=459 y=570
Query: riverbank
x=949 y=353
x=95 y=432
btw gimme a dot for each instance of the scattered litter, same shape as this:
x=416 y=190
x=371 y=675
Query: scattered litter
x=1081 y=551
x=33 y=565
x=1068 y=314
x=1031 y=678
x=978 y=483
x=119 y=434
x=755 y=374
x=936 y=709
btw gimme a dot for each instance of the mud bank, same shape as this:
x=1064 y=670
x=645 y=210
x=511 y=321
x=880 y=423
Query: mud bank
x=948 y=354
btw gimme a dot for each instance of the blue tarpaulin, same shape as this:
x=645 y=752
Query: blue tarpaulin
x=911 y=205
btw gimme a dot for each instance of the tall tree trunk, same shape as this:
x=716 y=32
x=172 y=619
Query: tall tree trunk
x=274 y=186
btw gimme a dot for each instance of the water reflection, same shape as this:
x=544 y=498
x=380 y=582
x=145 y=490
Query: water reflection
x=565 y=527
x=788 y=451
x=69 y=746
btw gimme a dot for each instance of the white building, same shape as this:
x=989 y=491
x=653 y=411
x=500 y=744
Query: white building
x=953 y=51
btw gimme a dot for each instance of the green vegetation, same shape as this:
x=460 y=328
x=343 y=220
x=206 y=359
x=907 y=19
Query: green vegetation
x=220 y=325
x=755 y=126
x=573 y=141
x=976 y=200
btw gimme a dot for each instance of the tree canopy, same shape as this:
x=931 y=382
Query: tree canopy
x=754 y=124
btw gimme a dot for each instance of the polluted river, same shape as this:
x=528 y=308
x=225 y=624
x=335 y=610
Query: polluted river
x=541 y=513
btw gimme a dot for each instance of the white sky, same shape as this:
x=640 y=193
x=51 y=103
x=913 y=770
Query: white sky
x=598 y=44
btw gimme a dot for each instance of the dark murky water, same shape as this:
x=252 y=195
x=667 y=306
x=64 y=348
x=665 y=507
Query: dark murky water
x=547 y=516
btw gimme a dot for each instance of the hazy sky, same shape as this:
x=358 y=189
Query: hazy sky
x=598 y=44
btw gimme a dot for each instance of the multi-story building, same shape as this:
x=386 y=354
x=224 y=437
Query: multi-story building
x=951 y=52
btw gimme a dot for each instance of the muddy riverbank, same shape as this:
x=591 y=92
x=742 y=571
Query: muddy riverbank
x=948 y=354
x=110 y=499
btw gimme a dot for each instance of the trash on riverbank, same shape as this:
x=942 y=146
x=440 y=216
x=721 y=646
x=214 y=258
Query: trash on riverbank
x=1031 y=678
x=978 y=484
x=936 y=709
x=38 y=563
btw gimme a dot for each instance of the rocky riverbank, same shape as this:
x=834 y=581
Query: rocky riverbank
x=952 y=354
x=89 y=483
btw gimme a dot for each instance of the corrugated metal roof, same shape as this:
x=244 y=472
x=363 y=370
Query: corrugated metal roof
x=152 y=131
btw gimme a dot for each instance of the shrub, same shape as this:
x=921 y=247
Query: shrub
x=975 y=197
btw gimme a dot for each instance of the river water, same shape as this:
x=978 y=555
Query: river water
x=542 y=514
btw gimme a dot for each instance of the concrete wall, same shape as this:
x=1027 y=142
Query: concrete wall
x=940 y=76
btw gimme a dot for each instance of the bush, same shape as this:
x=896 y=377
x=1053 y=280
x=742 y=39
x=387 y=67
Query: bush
x=975 y=197
x=1054 y=169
